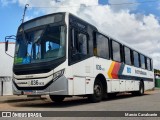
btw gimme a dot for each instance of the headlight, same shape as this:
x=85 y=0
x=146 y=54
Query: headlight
x=58 y=74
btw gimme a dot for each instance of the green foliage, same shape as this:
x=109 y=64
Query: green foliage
x=156 y=71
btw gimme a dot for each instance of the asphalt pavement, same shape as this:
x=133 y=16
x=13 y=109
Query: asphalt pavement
x=150 y=101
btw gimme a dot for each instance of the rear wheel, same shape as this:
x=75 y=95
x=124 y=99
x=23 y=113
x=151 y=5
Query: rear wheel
x=57 y=98
x=98 y=92
x=140 y=91
x=141 y=88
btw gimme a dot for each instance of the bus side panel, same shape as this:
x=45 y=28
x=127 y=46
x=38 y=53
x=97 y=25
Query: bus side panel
x=115 y=86
x=89 y=85
x=83 y=78
x=70 y=87
x=130 y=85
x=136 y=85
x=79 y=86
x=122 y=85
x=102 y=66
x=109 y=86
x=148 y=85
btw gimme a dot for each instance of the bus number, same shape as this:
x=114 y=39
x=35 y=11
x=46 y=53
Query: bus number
x=99 y=67
x=34 y=82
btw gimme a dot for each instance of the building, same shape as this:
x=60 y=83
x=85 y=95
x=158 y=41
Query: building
x=6 y=63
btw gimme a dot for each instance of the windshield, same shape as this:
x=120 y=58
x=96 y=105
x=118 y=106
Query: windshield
x=40 y=45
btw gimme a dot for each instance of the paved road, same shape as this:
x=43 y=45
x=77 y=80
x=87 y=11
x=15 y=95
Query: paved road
x=126 y=102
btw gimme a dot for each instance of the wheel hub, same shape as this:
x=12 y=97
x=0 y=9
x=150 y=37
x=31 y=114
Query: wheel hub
x=97 y=90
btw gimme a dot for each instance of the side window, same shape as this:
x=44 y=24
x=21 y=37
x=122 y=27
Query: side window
x=127 y=52
x=82 y=44
x=148 y=64
x=142 y=58
x=102 y=46
x=79 y=45
x=151 y=64
x=136 y=59
x=116 y=54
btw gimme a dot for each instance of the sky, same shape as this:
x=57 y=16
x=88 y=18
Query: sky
x=136 y=24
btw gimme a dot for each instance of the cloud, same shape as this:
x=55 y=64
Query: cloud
x=6 y=2
x=138 y=30
x=117 y=5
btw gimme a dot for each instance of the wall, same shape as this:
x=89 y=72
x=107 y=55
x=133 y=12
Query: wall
x=6 y=63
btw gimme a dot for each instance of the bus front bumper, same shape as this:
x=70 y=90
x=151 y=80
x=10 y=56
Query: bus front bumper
x=58 y=87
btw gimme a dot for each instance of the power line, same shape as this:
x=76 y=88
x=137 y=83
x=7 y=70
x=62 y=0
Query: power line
x=63 y=6
x=116 y=4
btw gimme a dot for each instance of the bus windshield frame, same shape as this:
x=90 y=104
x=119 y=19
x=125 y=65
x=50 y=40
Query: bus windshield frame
x=41 y=40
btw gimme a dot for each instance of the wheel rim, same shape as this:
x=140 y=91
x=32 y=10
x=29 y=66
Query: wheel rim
x=97 y=90
x=141 y=89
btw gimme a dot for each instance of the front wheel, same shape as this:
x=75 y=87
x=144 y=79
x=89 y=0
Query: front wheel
x=98 y=92
x=57 y=98
x=112 y=95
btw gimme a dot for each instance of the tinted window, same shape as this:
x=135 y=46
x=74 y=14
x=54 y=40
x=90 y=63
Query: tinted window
x=79 y=45
x=148 y=64
x=142 y=58
x=127 y=55
x=43 y=21
x=82 y=42
x=116 y=51
x=151 y=65
x=102 y=46
x=136 y=59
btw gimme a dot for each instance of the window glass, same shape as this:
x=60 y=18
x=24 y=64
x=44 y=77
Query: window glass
x=102 y=46
x=116 y=51
x=40 y=45
x=148 y=64
x=82 y=41
x=136 y=59
x=79 y=45
x=127 y=55
x=142 y=58
x=151 y=64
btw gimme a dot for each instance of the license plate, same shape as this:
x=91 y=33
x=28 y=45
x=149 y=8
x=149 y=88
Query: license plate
x=36 y=83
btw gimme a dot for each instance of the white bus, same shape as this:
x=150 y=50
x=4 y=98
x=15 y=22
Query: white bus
x=61 y=55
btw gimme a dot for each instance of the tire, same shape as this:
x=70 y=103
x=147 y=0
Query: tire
x=141 y=89
x=112 y=95
x=105 y=96
x=140 y=92
x=57 y=98
x=98 y=92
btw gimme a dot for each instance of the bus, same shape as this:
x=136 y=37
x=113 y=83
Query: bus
x=61 y=55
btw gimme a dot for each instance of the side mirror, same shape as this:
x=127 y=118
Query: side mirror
x=6 y=46
x=12 y=37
